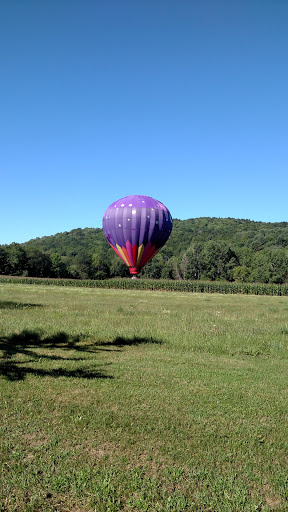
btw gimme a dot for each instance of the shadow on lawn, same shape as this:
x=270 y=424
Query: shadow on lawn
x=27 y=342
x=9 y=304
x=135 y=340
x=15 y=371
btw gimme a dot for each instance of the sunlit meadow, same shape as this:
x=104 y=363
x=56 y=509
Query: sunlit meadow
x=130 y=400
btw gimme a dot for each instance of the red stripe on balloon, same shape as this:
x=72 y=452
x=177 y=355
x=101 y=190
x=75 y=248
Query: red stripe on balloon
x=135 y=253
x=146 y=250
x=152 y=255
x=129 y=252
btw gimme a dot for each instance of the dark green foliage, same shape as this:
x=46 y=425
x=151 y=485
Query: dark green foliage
x=154 y=269
x=198 y=249
x=241 y=273
x=16 y=260
x=100 y=268
x=270 y=266
x=117 y=267
x=82 y=266
x=217 y=260
x=38 y=264
x=58 y=266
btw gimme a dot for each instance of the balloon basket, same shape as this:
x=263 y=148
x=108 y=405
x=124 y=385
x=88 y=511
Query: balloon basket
x=134 y=271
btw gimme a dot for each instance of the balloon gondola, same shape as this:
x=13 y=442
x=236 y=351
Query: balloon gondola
x=137 y=227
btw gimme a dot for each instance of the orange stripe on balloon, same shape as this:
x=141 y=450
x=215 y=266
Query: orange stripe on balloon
x=127 y=256
x=123 y=255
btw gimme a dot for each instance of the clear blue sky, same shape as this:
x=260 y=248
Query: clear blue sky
x=185 y=101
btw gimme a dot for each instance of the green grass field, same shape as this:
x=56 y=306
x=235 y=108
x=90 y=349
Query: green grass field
x=130 y=400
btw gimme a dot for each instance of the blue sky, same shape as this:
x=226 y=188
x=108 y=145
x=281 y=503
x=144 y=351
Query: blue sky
x=184 y=101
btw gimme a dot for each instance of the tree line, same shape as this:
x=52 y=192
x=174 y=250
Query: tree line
x=204 y=248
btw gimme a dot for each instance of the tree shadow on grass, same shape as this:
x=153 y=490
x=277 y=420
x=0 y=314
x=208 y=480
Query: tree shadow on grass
x=27 y=342
x=15 y=372
x=135 y=340
x=24 y=342
x=9 y=304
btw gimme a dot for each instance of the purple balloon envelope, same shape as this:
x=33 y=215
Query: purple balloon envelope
x=137 y=227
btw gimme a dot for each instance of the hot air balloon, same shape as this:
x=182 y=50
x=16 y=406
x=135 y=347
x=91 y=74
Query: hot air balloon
x=137 y=227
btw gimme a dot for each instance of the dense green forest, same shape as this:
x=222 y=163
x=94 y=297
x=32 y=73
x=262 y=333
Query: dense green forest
x=202 y=248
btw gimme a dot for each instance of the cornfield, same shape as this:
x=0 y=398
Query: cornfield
x=161 y=285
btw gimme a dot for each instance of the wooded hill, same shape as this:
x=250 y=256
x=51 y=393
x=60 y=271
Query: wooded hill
x=202 y=248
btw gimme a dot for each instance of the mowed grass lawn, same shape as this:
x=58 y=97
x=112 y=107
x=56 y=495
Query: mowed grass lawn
x=118 y=400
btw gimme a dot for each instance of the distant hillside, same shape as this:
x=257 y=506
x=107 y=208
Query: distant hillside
x=237 y=232
x=202 y=248
x=69 y=244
